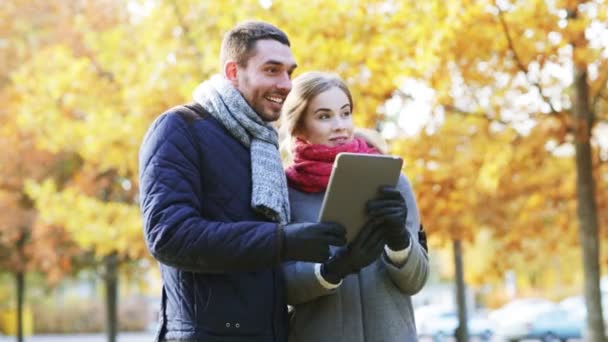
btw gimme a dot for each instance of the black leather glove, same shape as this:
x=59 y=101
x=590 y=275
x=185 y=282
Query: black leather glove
x=390 y=208
x=310 y=241
x=366 y=248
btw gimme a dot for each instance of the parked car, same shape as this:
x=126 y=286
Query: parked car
x=520 y=309
x=548 y=325
x=577 y=305
x=440 y=323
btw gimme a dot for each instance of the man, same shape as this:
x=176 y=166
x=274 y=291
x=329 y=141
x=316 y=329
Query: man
x=214 y=199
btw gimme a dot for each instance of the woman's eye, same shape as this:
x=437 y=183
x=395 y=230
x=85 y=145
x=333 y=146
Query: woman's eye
x=324 y=116
x=348 y=113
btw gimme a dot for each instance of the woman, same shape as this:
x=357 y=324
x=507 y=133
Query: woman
x=363 y=292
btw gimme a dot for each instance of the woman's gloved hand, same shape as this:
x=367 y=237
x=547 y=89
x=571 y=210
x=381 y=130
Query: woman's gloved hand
x=391 y=210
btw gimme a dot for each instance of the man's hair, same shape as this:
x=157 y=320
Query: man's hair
x=239 y=43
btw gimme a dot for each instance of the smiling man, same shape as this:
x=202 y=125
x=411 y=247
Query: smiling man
x=214 y=199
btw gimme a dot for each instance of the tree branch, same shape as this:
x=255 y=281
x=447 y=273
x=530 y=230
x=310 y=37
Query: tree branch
x=519 y=62
x=477 y=115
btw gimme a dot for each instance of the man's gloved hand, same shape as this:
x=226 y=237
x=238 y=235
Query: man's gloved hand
x=390 y=208
x=310 y=241
x=366 y=248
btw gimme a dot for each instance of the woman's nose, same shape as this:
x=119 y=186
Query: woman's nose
x=339 y=123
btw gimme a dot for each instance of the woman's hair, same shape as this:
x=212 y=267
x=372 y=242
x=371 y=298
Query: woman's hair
x=373 y=138
x=304 y=88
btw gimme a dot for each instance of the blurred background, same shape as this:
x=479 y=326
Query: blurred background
x=499 y=109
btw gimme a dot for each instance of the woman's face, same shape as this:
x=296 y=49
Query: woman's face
x=328 y=119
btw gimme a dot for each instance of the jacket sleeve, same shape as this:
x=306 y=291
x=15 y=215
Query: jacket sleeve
x=412 y=275
x=176 y=234
x=302 y=283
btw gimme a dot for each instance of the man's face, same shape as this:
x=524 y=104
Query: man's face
x=266 y=80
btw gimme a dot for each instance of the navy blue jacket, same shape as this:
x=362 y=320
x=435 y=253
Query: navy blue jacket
x=219 y=260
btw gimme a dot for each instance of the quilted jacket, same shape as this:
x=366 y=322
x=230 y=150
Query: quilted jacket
x=219 y=260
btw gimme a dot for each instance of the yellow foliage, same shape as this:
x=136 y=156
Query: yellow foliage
x=102 y=226
x=496 y=159
x=485 y=164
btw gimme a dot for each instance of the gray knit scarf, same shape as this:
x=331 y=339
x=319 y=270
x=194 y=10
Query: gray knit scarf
x=269 y=185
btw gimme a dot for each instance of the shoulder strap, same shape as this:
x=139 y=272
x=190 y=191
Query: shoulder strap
x=191 y=112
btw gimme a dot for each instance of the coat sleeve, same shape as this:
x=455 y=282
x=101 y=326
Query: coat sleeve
x=302 y=283
x=412 y=275
x=175 y=232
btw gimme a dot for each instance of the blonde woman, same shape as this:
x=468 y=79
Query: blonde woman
x=362 y=293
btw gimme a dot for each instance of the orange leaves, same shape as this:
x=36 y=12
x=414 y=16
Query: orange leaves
x=20 y=160
x=515 y=176
x=52 y=251
x=470 y=178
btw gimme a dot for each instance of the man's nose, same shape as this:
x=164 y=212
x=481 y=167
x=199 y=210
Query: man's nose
x=284 y=82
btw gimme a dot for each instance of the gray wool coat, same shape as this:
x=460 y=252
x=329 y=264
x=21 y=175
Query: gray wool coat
x=371 y=306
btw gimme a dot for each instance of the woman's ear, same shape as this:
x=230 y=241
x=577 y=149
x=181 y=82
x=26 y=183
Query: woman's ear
x=298 y=129
x=298 y=132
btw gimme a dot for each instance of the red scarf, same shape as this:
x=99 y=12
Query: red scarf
x=313 y=163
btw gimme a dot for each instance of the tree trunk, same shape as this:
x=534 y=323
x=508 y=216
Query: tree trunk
x=111 y=287
x=462 y=333
x=20 y=287
x=586 y=205
x=20 y=284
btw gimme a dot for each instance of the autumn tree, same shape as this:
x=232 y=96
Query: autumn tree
x=26 y=244
x=538 y=67
x=83 y=198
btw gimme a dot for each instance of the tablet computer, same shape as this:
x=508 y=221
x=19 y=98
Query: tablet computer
x=355 y=179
